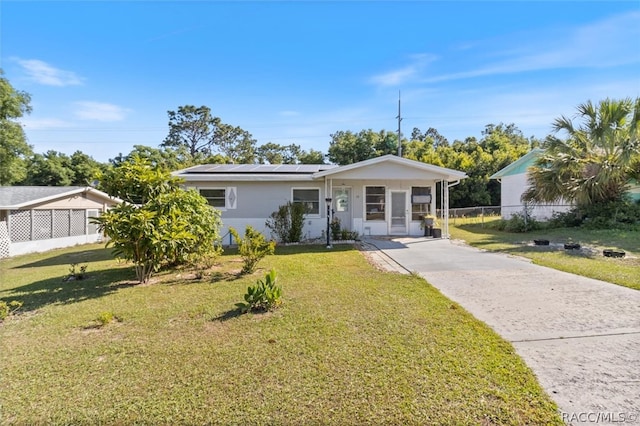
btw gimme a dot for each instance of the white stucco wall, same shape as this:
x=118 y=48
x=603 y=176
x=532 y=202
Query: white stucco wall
x=257 y=200
x=512 y=188
x=39 y=246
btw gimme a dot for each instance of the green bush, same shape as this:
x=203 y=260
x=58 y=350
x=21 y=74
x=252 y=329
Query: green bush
x=75 y=273
x=287 y=222
x=170 y=229
x=336 y=232
x=568 y=219
x=518 y=223
x=7 y=309
x=339 y=234
x=252 y=248
x=264 y=296
x=105 y=318
x=622 y=214
x=348 y=235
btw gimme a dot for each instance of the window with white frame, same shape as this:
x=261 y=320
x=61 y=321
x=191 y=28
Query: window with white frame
x=420 y=202
x=216 y=197
x=375 y=202
x=309 y=197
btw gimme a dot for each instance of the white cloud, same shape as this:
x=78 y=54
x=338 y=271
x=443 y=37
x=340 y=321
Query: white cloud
x=43 y=73
x=289 y=113
x=606 y=43
x=100 y=111
x=45 y=123
x=402 y=75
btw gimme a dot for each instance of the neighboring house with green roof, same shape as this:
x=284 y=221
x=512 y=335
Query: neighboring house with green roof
x=41 y=218
x=513 y=183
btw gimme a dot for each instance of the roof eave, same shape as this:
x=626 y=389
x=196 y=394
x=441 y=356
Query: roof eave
x=62 y=195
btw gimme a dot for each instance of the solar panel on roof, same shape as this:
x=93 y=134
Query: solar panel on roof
x=260 y=168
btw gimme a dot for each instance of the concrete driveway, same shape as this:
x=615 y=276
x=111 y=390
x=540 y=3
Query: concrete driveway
x=581 y=337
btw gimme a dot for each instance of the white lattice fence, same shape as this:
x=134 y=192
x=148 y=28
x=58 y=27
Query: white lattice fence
x=20 y=225
x=78 y=222
x=28 y=225
x=42 y=229
x=5 y=242
x=61 y=225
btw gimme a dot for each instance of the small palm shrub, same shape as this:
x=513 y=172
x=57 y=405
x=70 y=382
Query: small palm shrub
x=105 y=318
x=7 y=309
x=264 y=296
x=75 y=273
x=252 y=248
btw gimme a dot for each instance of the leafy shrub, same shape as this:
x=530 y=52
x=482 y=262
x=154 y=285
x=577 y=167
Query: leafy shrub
x=568 y=219
x=339 y=234
x=252 y=248
x=348 y=235
x=7 y=309
x=76 y=274
x=264 y=296
x=335 y=229
x=105 y=318
x=518 y=223
x=622 y=214
x=171 y=228
x=287 y=222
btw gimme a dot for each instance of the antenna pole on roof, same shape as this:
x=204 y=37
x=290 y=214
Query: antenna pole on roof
x=399 y=129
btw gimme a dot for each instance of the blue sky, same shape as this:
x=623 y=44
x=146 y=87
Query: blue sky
x=103 y=75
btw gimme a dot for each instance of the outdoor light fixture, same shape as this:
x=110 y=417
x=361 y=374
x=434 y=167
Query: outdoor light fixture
x=328 y=201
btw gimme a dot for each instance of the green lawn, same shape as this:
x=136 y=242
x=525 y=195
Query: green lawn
x=625 y=272
x=350 y=345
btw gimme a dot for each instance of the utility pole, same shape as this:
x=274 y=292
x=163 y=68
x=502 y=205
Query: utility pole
x=399 y=129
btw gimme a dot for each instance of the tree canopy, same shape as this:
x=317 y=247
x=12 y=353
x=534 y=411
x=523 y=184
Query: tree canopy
x=14 y=148
x=347 y=147
x=54 y=168
x=137 y=181
x=202 y=134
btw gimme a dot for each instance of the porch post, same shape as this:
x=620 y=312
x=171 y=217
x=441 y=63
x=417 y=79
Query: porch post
x=445 y=209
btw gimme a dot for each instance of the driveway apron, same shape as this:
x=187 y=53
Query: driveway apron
x=580 y=336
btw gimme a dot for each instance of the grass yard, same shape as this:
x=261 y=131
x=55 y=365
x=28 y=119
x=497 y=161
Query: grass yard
x=350 y=345
x=625 y=272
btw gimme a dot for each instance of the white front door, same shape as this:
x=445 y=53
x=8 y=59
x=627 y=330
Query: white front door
x=398 y=223
x=342 y=206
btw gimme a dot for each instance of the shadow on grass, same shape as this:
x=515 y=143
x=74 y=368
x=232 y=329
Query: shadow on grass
x=299 y=249
x=610 y=238
x=51 y=291
x=226 y=316
x=234 y=313
x=92 y=255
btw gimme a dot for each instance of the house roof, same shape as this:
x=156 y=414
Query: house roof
x=259 y=168
x=302 y=172
x=15 y=197
x=251 y=172
x=520 y=165
x=435 y=171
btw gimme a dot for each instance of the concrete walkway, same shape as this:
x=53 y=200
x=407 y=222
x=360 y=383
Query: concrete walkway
x=581 y=337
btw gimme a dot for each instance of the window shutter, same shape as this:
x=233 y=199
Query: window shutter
x=232 y=197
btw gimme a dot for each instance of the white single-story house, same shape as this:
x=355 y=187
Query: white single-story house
x=386 y=195
x=513 y=183
x=41 y=218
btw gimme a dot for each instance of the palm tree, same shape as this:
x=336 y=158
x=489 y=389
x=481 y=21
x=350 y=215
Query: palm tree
x=597 y=160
